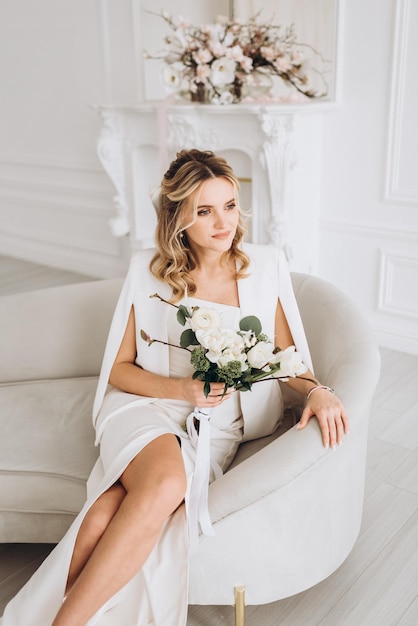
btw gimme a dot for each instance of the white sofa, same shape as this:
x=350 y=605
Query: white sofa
x=286 y=514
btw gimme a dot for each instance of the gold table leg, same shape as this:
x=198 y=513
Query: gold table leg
x=240 y=605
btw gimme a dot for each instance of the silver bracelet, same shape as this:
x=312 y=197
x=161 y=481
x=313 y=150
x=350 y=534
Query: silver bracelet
x=330 y=389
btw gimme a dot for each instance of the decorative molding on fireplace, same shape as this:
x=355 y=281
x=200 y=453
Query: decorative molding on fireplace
x=278 y=146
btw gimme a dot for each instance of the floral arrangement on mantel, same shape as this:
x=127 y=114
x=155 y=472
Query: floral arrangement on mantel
x=229 y=60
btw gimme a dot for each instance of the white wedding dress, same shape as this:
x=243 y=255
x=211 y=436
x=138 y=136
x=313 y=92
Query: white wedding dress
x=125 y=423
x=157 y=595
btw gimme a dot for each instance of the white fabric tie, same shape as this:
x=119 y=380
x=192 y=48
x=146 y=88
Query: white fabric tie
x=198 y=512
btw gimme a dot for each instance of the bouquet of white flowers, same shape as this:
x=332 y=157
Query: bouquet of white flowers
x=238 y=358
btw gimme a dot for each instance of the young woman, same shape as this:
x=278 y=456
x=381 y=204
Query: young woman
x=124 y=560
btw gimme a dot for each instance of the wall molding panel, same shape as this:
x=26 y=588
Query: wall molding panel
x=374 y=231
x=397 y=285
x=401 y=106
x=385 y=277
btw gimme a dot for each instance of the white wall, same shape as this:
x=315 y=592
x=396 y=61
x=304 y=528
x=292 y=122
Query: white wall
x=57 y=58
x=369 y=220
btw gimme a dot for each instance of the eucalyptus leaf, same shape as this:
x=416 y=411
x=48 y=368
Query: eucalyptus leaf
x=251 y=322
x=188 y=338
x=183 y=314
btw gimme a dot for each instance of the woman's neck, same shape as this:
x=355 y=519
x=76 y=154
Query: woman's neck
x=216 y=283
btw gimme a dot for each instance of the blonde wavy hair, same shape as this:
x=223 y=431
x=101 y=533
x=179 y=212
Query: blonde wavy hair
x=174 y=260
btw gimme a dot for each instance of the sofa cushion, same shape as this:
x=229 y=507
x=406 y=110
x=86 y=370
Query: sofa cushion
x=46 y=445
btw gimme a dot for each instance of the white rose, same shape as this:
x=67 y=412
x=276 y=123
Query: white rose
x=171 y=79
x=291 y=363
x=213 y=340
x=260 y=355
x=233 y=340
x=223 y=72
x=205 y=319
x=228 y=355
x=249 y=338
x=221 y=344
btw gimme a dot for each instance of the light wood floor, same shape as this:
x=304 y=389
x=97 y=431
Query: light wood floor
x=378 y=583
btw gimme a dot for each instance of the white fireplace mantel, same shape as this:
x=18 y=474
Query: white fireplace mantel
x=275 y=150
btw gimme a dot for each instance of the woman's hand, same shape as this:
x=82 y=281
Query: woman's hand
x=192 y=391
x=331 y=415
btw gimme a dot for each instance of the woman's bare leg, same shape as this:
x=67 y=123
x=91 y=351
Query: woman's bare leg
x=92 y=528
x=155 y=484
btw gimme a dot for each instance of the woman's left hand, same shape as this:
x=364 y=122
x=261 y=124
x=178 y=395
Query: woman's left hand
x=331 y=415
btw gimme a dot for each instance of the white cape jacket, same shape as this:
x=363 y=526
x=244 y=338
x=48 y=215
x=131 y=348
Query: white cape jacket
x=268 y=280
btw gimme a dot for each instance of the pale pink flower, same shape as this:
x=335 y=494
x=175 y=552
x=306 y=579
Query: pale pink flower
x=228 y=40
x=246 y=64
x=283 y=64
x=202 y=73
x=268 y=53
x=297 y=58
x=236 y=54
x=217 y=48
x=203 y=55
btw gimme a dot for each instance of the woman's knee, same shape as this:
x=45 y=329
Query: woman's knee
x=157 y=477
x=160 y=497
x=170 y=491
